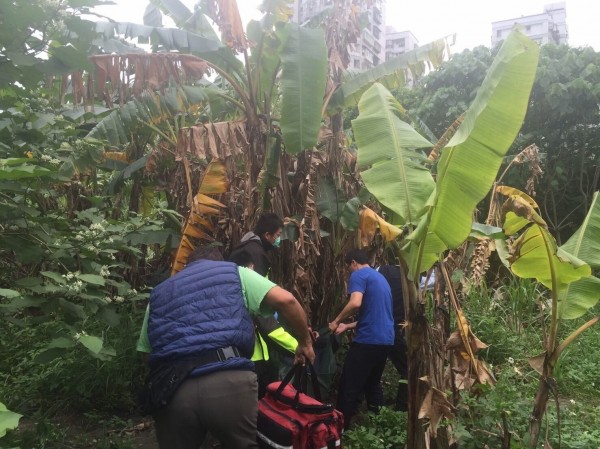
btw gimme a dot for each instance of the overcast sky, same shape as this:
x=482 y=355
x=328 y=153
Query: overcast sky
x=430 y=19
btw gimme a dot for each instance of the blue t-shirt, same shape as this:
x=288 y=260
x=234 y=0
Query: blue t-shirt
x=375 y=324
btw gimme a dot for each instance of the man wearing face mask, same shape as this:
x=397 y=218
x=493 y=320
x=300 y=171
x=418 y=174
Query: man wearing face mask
x=273 y=343
x=266 y=237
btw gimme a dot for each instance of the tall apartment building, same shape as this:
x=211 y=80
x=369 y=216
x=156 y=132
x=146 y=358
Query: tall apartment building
x=548 y=27
x=398 y=42
x=369 y=50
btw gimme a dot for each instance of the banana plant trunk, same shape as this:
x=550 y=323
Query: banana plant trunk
x=416 y=339
x=425 y=361
x=539 y=409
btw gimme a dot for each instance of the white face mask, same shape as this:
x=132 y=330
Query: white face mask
x=277 y=242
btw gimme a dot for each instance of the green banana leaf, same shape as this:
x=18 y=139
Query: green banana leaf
x=330 y=199
x=118 y=126
x=390 y=167
x=470 y=161
x=534 y=253
x=585 y=242
x=303 y=82
x=8 y=420
x=391 y=74
x=583 y=294
x=265 y=58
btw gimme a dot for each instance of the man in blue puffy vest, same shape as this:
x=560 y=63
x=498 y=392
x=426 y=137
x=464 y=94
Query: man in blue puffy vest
x=204 y=314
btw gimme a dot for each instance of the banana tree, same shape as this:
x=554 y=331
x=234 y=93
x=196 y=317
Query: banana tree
x=564 y=270
x=438 y=213
x=283 y=98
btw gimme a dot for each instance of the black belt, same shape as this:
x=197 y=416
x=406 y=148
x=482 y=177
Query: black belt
x=217 y=355
x=205 y=358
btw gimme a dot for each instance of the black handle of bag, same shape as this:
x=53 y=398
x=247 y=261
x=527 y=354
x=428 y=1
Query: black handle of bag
x=299 y=372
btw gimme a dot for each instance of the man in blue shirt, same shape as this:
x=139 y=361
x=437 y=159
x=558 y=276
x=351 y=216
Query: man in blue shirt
x=371 y=298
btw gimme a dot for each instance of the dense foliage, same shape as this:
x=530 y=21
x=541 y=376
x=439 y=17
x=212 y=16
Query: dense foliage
x=97 y=176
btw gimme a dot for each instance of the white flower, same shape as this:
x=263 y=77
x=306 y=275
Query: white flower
x=107 y=299
x=46 y=158
x=511 y=360
x=133 y=292
x=55 y=161
x=572 y=401
x=104 y=271
x=77 y=336
x=96 y=227
x=119 y=299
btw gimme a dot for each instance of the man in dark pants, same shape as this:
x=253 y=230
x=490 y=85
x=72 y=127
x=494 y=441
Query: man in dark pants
x=204 y=313
x=371 y=298
x=398 y=354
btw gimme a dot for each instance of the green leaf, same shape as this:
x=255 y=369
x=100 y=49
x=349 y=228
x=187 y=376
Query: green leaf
x=330 y=200
x=94 y=344
x=92 y=279
x=8 y=293
x=391 y=74
x=61 y=342
x=303 y=82
x=585 y=242
x=25 y=171
x=54 y=276
x=390 y=167
x=470 y=161
x=8 y=420
x=482 y=230
x=582 y=295
x=537 y=256
x=75 y=310
x=350 y=217
x=578 y=298
x=49 y=355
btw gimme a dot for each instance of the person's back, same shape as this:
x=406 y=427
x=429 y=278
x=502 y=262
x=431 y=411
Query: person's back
x=201 y=308
x=198 y=330
x=393 y=275
x=375 y=324
x=398 y=354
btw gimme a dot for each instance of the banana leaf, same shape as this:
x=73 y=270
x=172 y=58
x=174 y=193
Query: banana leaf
x=330 y=199
x=471 y=159
x=303 y=82
x=391 y=168
x=582 y=295
x=391 y=74
x=534 y=253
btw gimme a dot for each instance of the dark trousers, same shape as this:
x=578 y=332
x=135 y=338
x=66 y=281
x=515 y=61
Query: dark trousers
x=361 y=374
x=399 y=357
x=223 y=403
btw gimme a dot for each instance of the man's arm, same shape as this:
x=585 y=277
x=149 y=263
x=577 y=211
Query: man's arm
x=343 y=327
x=351 y=308
x=293 y=314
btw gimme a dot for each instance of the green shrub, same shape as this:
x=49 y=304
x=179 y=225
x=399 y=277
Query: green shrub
x=384 y=431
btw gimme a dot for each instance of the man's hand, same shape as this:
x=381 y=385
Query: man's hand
x=333 y=326
x=343 y=327
x=304 y=352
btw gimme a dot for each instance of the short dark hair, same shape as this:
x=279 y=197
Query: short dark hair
x=358 y=255
x=268 y=222
x=205 y=252
x=241 y=258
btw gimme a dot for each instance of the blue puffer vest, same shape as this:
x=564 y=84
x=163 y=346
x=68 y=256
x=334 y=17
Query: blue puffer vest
x=201 y=308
